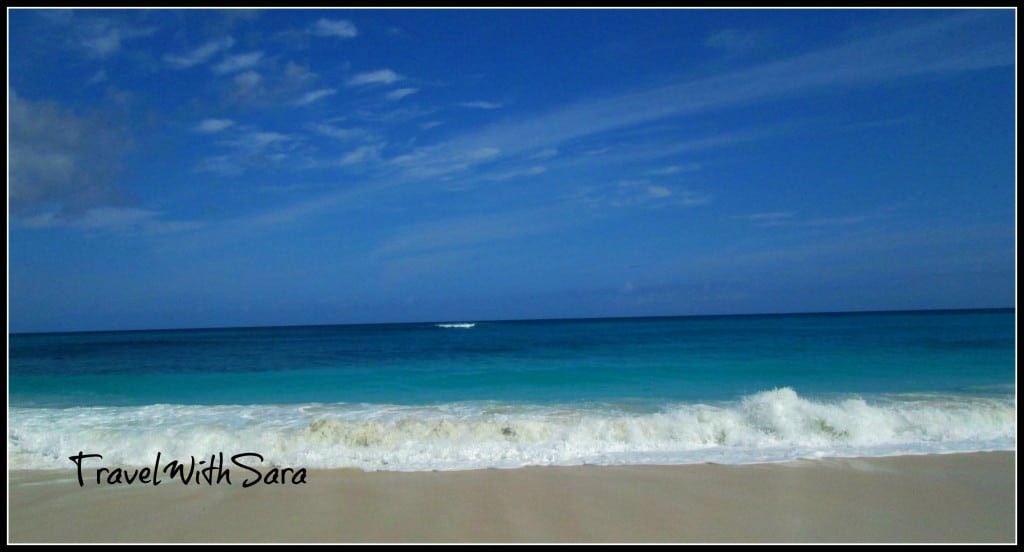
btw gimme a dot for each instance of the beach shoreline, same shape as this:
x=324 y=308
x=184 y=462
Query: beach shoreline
x=962 y=497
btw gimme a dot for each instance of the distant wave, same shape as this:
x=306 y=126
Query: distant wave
x=464 y=325
x=769 y=426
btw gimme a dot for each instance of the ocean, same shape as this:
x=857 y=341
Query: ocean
x=480 y=394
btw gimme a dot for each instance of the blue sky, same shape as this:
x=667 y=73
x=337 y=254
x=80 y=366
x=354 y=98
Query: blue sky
x=194 y=168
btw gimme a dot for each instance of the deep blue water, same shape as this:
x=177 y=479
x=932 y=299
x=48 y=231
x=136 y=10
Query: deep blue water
x=700 y=358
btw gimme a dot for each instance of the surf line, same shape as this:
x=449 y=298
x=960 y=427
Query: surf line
x=191 y=472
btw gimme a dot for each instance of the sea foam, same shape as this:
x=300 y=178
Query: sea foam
x=770 y=426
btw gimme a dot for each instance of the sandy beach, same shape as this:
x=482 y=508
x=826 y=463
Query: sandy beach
x=935 y=498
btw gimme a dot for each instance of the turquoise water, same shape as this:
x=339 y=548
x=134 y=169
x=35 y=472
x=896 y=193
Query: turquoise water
x=450 y=396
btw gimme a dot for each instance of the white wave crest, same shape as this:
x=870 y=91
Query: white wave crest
x=769 y=426
x=462 y=325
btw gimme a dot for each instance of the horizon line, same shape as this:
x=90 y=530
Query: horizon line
x=516 y=320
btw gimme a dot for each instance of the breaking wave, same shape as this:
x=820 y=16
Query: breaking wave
x=770 y=426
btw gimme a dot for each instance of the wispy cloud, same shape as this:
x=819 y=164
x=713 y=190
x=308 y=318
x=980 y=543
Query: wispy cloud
x=103 y=45
x=334 y=131
x=340 y=28
x=401 y=93
x=120 y=219
x=99 y=217
x=481 y=105
x=380 y=76
x=208 y=126
x=397 y=115
x=689 y=198
x=674 y=169
x=516 y=173
x=247 y=82
x=247 y=148
x=315 y=95
x=945 y=46
x=658 y=192
x=426 y=163
x=359 y=155
x=634 y=193
x=952 y=44
x=294 y=71
x=102 y=37
x=240 y=62
x=200 y=54
x=257 y=141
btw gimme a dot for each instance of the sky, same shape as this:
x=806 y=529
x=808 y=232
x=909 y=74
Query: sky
x=203 y=168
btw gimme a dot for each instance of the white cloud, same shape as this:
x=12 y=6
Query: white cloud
x=674 y=169
x=641 y=193
x=99 y=217
x=380 y=76
x=113 y=218
x=257 y=141
x=103 y=45
x=339 y=28
x=201 y=54
x=103 y=37
x=239 y=62
x=690 y=199
x=208 y=126
x=431 y=162
x=401 y=93
x=481 y=105
x=315 y=95
x=247 y=81
x=658 y=191
x=297 y=72
x=516 y=173
x=769 y=217
x=59 y=160
x=360 y=155
x=333 y=131
x=396 y=115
